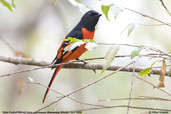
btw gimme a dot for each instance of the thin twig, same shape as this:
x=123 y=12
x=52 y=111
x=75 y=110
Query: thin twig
x=151 y=84
x=88 y=85
x=168 y=12
x=12 y=48
x=144 y=15
x=62 y=95
x=152 y=24
x=132 y=82
x=136 y=98
x=96 y=105
x=32 y=69
x=122 y=106
x=130 y=45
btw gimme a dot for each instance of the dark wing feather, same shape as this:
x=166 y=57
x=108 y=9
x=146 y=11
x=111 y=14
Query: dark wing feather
x=75 y=34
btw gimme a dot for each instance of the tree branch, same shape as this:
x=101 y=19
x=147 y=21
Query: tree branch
x=168 y=12
x=144 y=15
x=86 y=86
x=71 y=65
x=122 y=106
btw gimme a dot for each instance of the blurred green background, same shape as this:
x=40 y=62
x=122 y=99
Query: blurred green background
x=36 y=27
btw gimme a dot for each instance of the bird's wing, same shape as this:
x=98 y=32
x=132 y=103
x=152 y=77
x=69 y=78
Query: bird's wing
x=62 y=53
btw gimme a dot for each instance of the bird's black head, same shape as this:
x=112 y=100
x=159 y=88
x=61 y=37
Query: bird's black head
x=90 y=19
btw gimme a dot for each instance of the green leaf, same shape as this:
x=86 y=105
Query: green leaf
x=6 y=4
x=80 y=4
x=70 y=39
x=73 y=40
x=148 y=70
x=115 y=10
x=130 y=28
x=145 y=72
x=87 y=40
x=135 y=53
x=91 y=40
x=78 y=1
x=105 y=9
x=109 y=57
x=55 y=1
x=74 y=45
x=155 y=62
x=13 y=4
x=169 y=13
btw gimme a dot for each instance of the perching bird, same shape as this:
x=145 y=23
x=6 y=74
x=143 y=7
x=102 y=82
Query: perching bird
x=85 y=29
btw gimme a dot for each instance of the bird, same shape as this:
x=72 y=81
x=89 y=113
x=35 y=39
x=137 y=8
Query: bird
x=85 y=29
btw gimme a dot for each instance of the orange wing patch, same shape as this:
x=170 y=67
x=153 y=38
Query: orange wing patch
x=59 y=53
x=87 y=34
x=67 y=54
x=77 y=53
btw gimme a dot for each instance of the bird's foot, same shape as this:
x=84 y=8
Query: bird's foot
x=82 y=61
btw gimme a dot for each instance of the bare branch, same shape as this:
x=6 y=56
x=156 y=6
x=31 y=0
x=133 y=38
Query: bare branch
x=151 y=24
x=71 y=65
x=8 y=44
x=152 y=85
x=62 y=95
x=103 y=106
x=168 y=12
x=144 y=15
x=132 y=82
x=26 y=61
x=92 y=83
x=123 y=106
x=137 y=98
x=86 y=86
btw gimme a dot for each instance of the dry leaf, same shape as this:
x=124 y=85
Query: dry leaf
x=20 y=83
x=162 y=74
x=20 y=54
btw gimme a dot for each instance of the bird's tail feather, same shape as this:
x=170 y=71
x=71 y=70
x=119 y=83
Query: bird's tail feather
x=51 y=81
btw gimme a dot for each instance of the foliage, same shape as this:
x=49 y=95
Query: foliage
x=105 y=10
x=74 y=42
x=109 y=57
x=148 y=70
x=145 y=72
x=135 y=53
x=8 y=5
x=130 y=27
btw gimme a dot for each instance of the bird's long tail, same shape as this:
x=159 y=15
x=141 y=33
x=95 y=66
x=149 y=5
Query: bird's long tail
x=51 y=81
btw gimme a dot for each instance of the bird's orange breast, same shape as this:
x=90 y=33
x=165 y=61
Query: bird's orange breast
x=81 y=49
x=87 y=34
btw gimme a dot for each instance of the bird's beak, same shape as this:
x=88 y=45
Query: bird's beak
x=98 y=15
